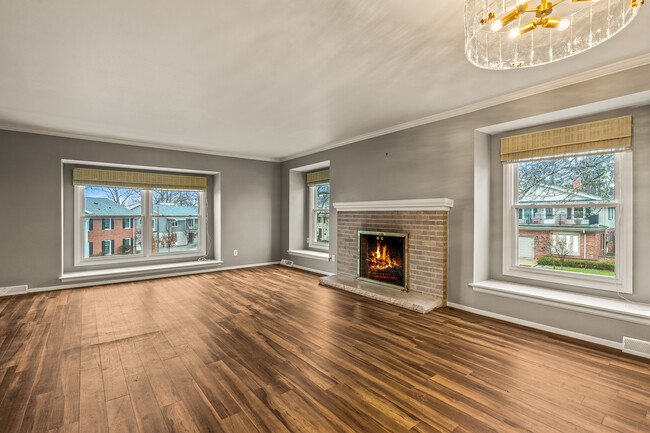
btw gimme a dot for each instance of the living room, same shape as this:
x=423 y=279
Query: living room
x=286 y=216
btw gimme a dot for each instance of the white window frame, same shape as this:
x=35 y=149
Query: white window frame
x=147 y=254
x=313 y=212
x=623 y=204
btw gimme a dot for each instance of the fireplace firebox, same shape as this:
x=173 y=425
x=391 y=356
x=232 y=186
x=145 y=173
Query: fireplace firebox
x=383 y=258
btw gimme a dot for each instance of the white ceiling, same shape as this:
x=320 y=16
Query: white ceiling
x=256 y=78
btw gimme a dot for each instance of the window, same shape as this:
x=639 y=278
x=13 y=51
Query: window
x=127 y=245
x=150 y=222
x=567 y=244
x=581 y=196
x=108 y=247
x=190 y=223
x=127 y=223
x=319 y=222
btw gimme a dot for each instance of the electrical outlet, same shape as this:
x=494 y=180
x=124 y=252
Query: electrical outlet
x=234 y=253
x=332 y=258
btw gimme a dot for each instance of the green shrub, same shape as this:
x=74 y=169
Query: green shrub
x=583 y=264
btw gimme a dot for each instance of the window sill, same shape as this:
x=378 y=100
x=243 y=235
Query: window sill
x=606 y=307
x=85 y=275
x=139 y=258
x=318 y=255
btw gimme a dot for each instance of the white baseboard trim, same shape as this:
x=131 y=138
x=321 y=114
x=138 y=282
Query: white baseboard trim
x=305 y=268
x=147 y=277
x=541 y=327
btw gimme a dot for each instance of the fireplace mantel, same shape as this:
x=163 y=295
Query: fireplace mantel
x=440 y=204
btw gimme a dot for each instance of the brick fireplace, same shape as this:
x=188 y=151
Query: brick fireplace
x=425 y=224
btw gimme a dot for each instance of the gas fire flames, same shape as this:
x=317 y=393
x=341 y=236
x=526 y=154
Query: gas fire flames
x=380 y=259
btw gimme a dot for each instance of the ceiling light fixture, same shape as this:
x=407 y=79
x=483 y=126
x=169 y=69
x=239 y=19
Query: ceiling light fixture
x=506 y=34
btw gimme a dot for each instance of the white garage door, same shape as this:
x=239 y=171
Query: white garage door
x=526 y=247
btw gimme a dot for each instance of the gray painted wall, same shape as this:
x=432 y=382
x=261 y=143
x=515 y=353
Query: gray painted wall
x=30 y=187
x=437 y=160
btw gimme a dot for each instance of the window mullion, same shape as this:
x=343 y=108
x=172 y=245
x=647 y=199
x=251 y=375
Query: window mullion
x=147 y=223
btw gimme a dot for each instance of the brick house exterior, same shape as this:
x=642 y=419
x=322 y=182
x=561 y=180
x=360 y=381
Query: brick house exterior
x=590 y=230
x=110 y=228
x=97 y=235
x=593 y=244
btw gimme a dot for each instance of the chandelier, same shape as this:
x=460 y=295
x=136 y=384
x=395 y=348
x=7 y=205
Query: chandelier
x=506 y=34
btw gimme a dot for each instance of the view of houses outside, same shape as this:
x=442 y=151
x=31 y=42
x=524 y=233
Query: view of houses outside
x=572 y=237
x=113 y=221
x=175 y=221
x=111 y=227
x=322 y=213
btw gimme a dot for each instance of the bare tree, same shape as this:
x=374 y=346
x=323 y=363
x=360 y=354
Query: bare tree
x=180 y=198
x=122 y=196
x=591 y=174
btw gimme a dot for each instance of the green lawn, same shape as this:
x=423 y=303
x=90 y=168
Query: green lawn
x=581 y=270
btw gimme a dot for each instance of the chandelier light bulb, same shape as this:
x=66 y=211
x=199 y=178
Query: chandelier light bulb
x=564 y=24
x=496 y=26
x=514 y=32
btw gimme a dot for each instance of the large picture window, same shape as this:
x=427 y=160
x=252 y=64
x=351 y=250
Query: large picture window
x=568 y=216
x=137 y=223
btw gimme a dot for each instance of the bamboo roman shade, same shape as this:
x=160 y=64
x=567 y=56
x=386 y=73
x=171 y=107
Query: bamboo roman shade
x=137 y=179
x=603 y=136
x=318 y=177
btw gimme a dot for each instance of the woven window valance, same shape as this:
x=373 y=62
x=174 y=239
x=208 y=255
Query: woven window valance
x=137 y=179
x=603 y=136
x=318 y=177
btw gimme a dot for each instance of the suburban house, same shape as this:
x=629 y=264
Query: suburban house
x=588 y=231
x=106 y=234
x=331 y=216
x=174 y=225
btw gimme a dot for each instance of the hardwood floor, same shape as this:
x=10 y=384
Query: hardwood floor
x=268 y=350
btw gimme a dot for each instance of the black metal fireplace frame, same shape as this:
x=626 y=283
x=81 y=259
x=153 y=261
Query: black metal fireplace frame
x=405 y=258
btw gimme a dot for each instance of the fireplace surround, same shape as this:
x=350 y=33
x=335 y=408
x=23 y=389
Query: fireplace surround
x=421 y=226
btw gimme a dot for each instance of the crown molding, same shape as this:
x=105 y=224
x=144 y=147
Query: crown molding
x=163 y=146
x=444 y=204
x=568 y=80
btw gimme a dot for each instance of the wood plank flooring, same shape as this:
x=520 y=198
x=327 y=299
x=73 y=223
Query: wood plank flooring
x=269 y=350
